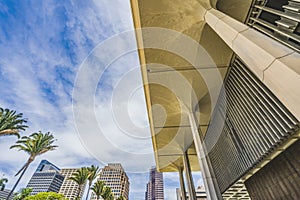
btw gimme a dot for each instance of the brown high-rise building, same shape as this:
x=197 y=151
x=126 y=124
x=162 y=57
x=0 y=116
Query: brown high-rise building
x=69 y=188
x=114 y=176
x=155 y=186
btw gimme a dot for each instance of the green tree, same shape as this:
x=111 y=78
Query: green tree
x=46 y=196
x=107 y=194
x=93 y=173
x=2 y=183
x=120 y=198
x=11 y=122
x=35 y=145
x=25 y=192
x=97 y=188
x=80 y=176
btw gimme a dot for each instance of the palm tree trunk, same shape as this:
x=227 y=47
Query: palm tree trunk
x=78 y=192
x=12 y=190
x=88 y=192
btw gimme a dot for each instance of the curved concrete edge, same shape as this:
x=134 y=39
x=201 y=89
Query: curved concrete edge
x=283 y=79
x=272 y=62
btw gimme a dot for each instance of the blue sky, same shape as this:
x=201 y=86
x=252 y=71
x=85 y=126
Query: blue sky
x=43 y=46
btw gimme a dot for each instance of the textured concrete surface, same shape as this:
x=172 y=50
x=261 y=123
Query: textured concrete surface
x=280 y=179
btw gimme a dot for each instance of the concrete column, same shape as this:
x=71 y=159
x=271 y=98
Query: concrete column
x=210 y=182
x=182 y=186
x=189 y=178
x=276 y=65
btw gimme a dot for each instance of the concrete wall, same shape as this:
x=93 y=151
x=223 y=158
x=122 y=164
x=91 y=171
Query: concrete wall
x=280 y=179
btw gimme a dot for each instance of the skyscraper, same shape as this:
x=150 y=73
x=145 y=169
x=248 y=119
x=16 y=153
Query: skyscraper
x=4 y=193
x=114 y=176
x=155 y=186
x=46 y=178
x=69 y=188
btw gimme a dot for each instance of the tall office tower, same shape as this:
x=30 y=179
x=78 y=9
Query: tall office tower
x=4 y=193
x=46 y=178
x=69 y=188
x=224 y=76
x=155 y=186
x=116 y=178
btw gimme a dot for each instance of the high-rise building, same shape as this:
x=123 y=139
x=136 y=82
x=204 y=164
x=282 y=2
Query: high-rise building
x=46 y=178
x=114 y=176
x=69 y=188
x=224 y=77
x=155 y=186
x=4 y=193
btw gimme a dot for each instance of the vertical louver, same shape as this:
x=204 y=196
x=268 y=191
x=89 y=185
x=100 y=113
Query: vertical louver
x=249 y=122
x=278 y=19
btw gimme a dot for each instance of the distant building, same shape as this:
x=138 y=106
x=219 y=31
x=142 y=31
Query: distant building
x=4 y=194
x=116 y=178
x=69 y=188
x=155 y=186
x=200 y=193
x=46 y=178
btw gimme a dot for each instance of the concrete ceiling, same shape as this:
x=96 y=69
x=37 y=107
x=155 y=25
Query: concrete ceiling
x=171 y=79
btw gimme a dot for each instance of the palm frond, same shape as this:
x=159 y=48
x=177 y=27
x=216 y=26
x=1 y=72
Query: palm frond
x=11 y=122
x=107 y=194
x=80 y=176
x=97 y=188
x=37 y=143
x=93 y=173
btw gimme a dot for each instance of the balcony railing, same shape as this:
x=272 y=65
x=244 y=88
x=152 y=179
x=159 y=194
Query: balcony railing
x=279 y=19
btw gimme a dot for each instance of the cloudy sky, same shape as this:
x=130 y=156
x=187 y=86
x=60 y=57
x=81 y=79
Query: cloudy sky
x=57 y=69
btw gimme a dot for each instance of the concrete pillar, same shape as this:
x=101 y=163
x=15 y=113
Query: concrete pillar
x=210 y=182
x=267 y=58
x=189 y=178
x=182 y=186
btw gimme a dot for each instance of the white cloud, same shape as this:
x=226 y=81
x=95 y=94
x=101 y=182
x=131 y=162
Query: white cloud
x=40 y=57
x=42 y=50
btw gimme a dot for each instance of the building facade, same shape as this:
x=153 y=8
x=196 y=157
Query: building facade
x=155 y=186
x=46 y=178
x=4 y=193
x=69 y=188
x=114 y=176
x=227 y=74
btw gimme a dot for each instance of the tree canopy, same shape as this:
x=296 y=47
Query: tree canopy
x=46 y=195
x=25 y=192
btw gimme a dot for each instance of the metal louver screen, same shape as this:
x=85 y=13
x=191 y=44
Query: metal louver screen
x=249 y=122
x=278 y=19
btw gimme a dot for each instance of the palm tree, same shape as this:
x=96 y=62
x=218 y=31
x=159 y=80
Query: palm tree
x=97 y=188
x=25 y=192
x=80 y=176
x=93 y=173
x=120 y=198
x=35 y=145
x=2 y=183
x=11 y=122
x=107 y=194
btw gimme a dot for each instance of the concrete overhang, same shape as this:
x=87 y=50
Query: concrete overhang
x=171 y=80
